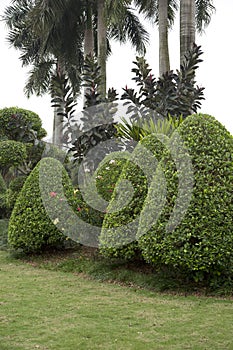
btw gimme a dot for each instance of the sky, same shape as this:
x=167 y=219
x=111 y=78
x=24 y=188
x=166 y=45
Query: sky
x=215 y=73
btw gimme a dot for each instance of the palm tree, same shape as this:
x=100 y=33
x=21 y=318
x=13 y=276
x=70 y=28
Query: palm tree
x=162 y=13
x=194 y=15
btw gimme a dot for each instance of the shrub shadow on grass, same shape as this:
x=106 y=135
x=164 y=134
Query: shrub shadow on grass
x=136 y=274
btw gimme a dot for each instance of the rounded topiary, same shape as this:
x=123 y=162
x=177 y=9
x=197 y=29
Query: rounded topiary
x=32 y=227
x=14 y=120
x=12 y=153
x=202 y=242
x=118 y=235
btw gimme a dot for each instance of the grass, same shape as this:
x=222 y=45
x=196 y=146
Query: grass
x=57 y=310
x=140 y=275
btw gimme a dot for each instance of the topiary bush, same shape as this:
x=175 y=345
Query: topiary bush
x=118 y=235
x=202 y=243
x=32 y=227
x=19 y=124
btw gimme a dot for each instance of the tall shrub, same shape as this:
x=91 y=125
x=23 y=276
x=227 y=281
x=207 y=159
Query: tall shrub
x=118 y=236
x=30 y=226
x=202 y=243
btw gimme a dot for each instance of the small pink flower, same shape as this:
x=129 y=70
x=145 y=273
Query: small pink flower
x=53 y=194
x=78 y=209
x=61 y=199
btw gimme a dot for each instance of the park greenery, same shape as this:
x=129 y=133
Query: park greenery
x=157 y=202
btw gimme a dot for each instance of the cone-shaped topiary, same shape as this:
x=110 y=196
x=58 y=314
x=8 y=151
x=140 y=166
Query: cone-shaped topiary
x=194 y=230
x=39 y=207
x=118 y=235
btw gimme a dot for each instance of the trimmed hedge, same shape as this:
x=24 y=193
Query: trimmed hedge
x=202 y=243
x=31 y=228
x=118 y=236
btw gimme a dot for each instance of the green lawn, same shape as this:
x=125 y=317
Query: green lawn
x=54 y=310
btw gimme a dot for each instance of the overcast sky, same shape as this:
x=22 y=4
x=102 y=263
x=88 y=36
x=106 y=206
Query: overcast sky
x=215 y=73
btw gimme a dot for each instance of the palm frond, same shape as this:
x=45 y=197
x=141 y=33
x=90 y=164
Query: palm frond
x=130 y=28
x=39 y=78
x=204 y=10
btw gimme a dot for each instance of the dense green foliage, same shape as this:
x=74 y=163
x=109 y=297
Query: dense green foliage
x=202 y=243
x=12 y=153
x=120 y=224
x=17 y=126
x=174 y=93
x=30 y=227
x=20 y=125
x=97 y=119
x=13 y=190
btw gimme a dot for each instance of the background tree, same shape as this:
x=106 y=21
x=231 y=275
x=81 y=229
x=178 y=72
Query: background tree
x=194 y=15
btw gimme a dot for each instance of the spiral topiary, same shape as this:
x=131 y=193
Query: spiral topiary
x=118 y=235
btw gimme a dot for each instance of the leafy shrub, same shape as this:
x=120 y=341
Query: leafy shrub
x=12 y=153
x=31 y=226
x=202 y=243
x=119 y=229
x=174 y=93
x=13 y=190
x=20 y=124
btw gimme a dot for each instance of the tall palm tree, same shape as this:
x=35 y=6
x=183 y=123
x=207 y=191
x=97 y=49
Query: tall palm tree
x=194 y=15
x=162 y=13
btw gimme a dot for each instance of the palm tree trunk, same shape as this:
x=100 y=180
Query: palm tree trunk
x=88 y=42
x=164 y=62
x=102 y=44
x=187 y=26
x=88 y=34
x=58 y=117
